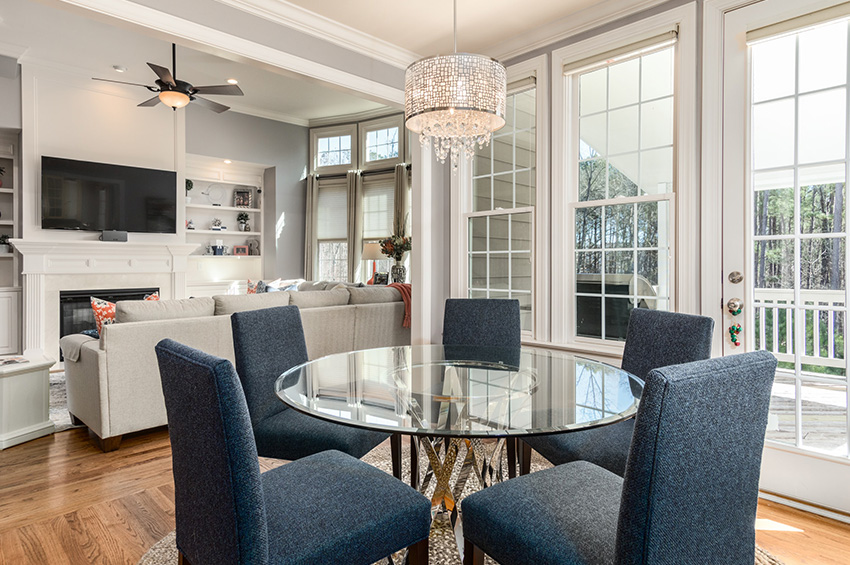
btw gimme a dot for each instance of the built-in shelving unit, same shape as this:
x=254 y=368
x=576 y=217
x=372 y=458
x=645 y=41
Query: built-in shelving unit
x=215 y=186
x=10 y=267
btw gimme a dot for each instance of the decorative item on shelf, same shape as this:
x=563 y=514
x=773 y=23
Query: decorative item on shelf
x=4 y=244
x=190 y=224
x=189 y=186
x=215 y=224
x=253 y=246
x=214 y=193
x=395 y=247
x=455 y=101
x=217 y=248
x=242 y=218
x=381 y=278
x=734 y=330
x=243 y=198
x=240 y=250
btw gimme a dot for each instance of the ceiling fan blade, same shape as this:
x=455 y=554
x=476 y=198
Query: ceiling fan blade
x=163 y=74
x=130 y=83
x=220 y=89
x=210 y=105
x=151 y=102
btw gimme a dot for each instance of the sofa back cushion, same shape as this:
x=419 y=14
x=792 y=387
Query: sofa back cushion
x=328 y=330
x=336 y=297
x=374 y=294
x=227 y=304
x=150 y=310
x=307 y=286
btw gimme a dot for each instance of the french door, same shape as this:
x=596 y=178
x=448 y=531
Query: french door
x=785 y=166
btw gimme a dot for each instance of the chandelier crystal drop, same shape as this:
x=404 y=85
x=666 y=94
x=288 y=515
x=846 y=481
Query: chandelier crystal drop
x=455 y=102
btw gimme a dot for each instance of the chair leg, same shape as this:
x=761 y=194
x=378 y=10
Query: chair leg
x=414 y=462
x=417 y=554
x=472 y=554
x=395 y=448
x=181 y=559
x=524 y=456
x=510 y=445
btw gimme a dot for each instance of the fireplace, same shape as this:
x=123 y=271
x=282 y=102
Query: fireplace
x=75 y=313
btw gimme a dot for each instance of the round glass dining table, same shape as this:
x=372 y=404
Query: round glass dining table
x=452 y=398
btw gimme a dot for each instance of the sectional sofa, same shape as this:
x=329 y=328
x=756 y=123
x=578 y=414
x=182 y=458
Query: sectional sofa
x=113 y=382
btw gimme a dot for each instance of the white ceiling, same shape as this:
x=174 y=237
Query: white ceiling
x=425 y=27
x=69 y=40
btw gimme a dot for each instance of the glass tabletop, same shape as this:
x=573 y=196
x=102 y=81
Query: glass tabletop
x=459 y=391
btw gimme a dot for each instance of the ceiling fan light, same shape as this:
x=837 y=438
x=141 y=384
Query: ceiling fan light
x=173 y=98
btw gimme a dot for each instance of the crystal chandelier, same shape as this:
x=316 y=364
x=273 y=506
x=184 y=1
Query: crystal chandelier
x=457 y=100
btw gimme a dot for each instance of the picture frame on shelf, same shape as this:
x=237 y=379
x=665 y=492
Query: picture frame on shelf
x=240 y=250
x=381 y=278
x=243 y=198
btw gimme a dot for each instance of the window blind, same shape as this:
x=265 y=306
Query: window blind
x=378 y=205
x=800 y=23
x=332 y=209
x=624 y=52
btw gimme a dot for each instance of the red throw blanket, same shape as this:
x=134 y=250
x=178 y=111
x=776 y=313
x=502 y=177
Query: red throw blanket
x=405 y=290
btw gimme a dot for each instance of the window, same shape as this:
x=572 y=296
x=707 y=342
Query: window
x=378 y=212
x=332 y=230
x=382 y=144
x=333 y=149
x=799 y=158
x=500 y=226
x=622 y=189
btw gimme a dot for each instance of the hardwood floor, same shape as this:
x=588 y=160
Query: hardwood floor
x=63 y=501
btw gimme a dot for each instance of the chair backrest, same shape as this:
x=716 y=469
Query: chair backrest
x=266 y=343
x=485 y=322
x=691 y=485
x=656 y=338
x=219 y=505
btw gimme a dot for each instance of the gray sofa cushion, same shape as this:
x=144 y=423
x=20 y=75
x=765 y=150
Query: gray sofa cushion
x=336 y=297
x=150 y=310
x=227 y=304
x=308 y=286
x=373 y=294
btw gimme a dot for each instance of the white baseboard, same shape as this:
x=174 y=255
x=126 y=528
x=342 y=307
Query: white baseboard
x=26 y=434
x=805 y=507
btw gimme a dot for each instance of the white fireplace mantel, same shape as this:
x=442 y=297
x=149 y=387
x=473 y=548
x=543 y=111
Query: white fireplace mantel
x=69 y=265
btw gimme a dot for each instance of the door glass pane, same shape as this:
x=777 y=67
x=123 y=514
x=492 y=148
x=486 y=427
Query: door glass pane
x=822 y=199
x=824 y=417
x=774 y=264
x=823 y=57
x=774 y=211
x=822 y=126
x=774 y=63
x=781 y=421
x=773 y=134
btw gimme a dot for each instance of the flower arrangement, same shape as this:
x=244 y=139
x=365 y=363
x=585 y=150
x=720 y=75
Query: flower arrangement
x=396 y=246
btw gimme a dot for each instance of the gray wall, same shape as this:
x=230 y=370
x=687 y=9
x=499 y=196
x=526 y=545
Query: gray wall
x=10 y=103
x=257 y=140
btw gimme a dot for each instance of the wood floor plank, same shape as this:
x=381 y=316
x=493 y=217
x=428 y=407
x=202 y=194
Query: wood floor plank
x=62 y=501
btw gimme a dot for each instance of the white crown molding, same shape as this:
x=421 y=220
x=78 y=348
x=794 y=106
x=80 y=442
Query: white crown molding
x=144 y=16
x=355 y=117
x=12 y=50
x=573 y=24
x=298 y=18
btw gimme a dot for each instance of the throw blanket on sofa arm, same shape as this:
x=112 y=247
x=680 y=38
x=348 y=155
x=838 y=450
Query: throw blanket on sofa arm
x=405 y=290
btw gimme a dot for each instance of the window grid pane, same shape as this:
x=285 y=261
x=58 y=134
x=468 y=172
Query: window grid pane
x=504 y=179
x=334 y=151
x=625 y=117
x=382 y=144
x=333 y=261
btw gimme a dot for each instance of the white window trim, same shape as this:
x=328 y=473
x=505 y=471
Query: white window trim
x=333 y=131
x=685 y=284
x=461 y=205
x=377 y=124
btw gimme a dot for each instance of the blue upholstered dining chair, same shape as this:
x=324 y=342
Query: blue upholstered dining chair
x=654 y=338
x=267 y=343
x=487 y=322
x=690 y=491
x=327 y=508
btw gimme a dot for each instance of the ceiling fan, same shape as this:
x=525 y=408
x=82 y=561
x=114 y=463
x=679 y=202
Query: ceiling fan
x=178 y=93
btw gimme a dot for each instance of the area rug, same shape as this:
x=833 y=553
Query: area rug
x=442 y=548
x=59 y=403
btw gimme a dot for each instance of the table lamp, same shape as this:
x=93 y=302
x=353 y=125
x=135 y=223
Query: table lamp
x=372 y=252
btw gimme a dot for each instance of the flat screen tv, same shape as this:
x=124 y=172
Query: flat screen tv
x=81 y=195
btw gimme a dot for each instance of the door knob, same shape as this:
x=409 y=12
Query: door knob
x=735 y=305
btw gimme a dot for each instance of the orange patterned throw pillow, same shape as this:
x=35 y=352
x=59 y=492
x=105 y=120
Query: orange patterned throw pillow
x=252 y=287
x=104 y=313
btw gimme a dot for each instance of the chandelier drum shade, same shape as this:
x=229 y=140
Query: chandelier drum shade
x=458 y=100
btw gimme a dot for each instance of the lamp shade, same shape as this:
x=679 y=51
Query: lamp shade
x=372 y=252
x=173 y=98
